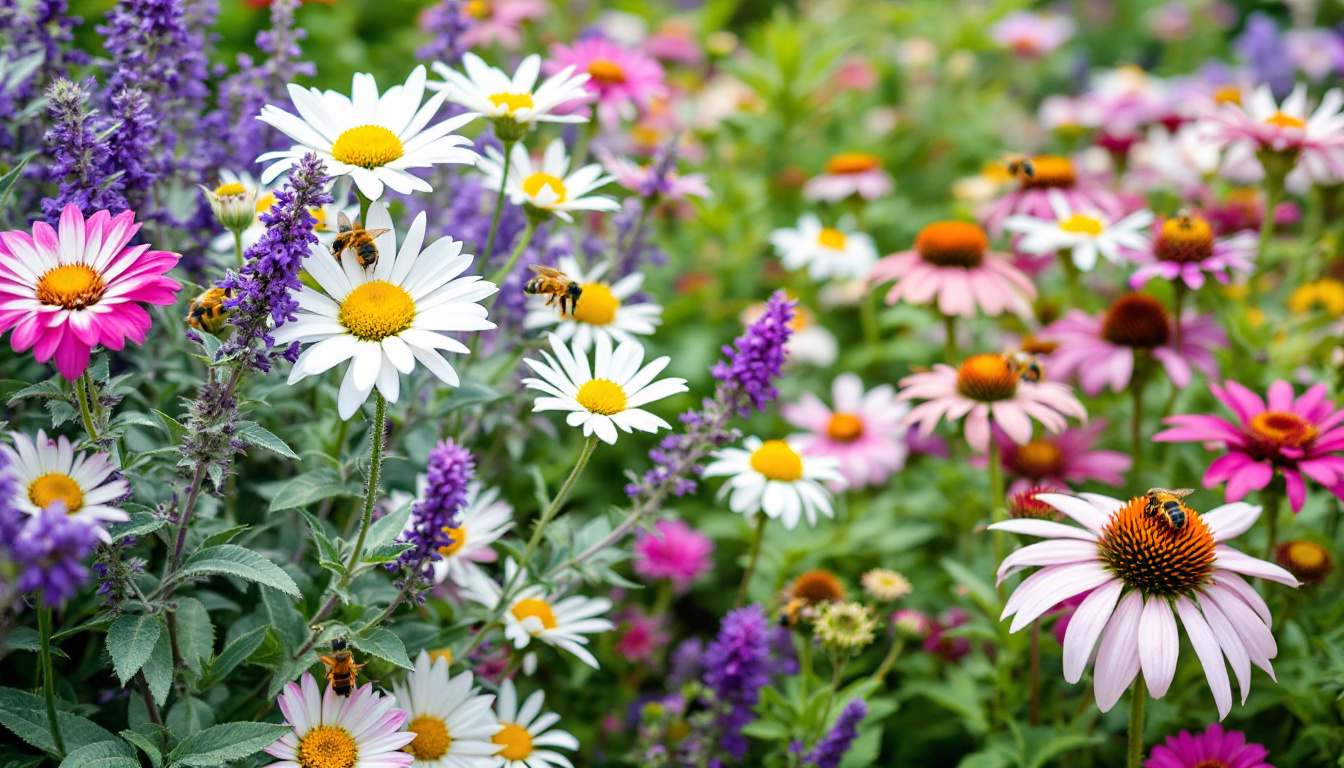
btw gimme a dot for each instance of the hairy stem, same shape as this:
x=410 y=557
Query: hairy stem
x=48 y=681
x=371 y=493
x=82 y=386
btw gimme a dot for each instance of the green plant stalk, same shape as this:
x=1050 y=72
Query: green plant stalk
x=364 y=203
x=238 y=247
x=499 y=205
x=889 y=661
x=1136 y=388
x=868 y=319
x=761 y=520
x=82 y=385
x=1070 y=277
x=1271 y=498
x=1178 y=306
x=997 y=513
x=950 y=352
x=526 y=238
x=371 y=493
x=1136 y=700
x=48 y=681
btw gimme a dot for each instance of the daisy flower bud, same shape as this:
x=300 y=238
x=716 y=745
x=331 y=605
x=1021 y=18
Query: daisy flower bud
x=885 y=585
x=234 y=206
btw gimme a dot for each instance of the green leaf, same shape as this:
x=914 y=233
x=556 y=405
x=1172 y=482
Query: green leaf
x=146 y=745
x=130 y=642
x=159 y=669
x=26 y=715
x=8 y=180
x=386 y=528
x=253 y=433
x=233 y=560
x=385 y=553
x=103 y=754
x=289 y=670
x=328 y=554
x=471 y=392
x=140 y=524
x=222 y=743
x=27 y=639
x=980 y=590
x=383 y=644
x=195 y=633
x=323 y=483
x=189 y=715
x=170 y=425
x=233 y=655
x=222 y=537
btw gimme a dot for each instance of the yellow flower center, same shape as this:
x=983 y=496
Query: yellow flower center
x=265 y=202
x=844 y=428
x=533 y=607
x=72 y=286
x=516 y=740
x=327 y=747
x=1152 y=556
x=1184 y=239
x=443 y=653
x=852 y=162
x=55 y=486
x=1327 y=293
x=459 y=537
x=1282 y=429
x=602 y=396
x=831 y=238
x=320 y=214
x=1307 y=560
x=1048 y=171
x=431 y=738
x=596 y=305
x=367 y=146
x=514 y=101
x=479 y=9
x=777 y=461
x=1227 y=94
x=1083 y=225
x=606 y=72
x=533 y=185
x=376 y=310
x=987 y=378
x=229 y=190
x=1285 y=121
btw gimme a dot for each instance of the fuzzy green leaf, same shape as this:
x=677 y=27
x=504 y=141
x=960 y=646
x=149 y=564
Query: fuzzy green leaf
x=130 y=642
x=233 y=560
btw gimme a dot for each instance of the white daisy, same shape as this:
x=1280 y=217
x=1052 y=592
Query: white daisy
x=824 y=251
x=601 y=309
x=533 y=612
x=47 y=471
x=606 y=396
x=362 y=729
x=526 y=736
x=480 y=523
x=517 y=102
x=453 y=724
x=771 y=476
x=550 y=189
x=386 y=317
x=374 y=139
x=1084 y=233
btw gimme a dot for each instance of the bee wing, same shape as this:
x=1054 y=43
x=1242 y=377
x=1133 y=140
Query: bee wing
x=377 y=232
x=1181 y=493
x=544 y=271
x=343 y=222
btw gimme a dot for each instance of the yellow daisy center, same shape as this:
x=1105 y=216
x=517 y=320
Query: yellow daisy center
x=320 y=214
x=479 y=9
x=514 y=101
x=443 y=653
x=777 y=461
x=852 y=162
x=376 y=310
x=265 y=202
x=1049 y=171
x=1285 y=121
x=606 y=72
x=328 y=747
x=597 y=305
x=844 y=428
x=367 y=146
x=602 y=396
x=516 y=740
x=229 y=190
x=72 y=286
x=534 y=607
x=533 y=185
x=1081 y=224
x=1227 y=94
x=831 y=238
x=55 y=486
x=987 y=378
x=431 y=738
x=459 y=537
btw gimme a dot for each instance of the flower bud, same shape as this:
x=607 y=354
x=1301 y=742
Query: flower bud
x=234 y=206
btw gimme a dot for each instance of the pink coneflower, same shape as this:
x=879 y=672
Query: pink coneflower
x=65 y=292
x=951 y=261
x=1063 y=460
x=1282 y=134
x=1291 y=436
x=499 y=21
x=1184 y=248
x=864 y=431
x=673 y=551
x=674 y=41
x=951 y=648
x=987 y=391
x=641 y=178
x=620 y=81
x=1244 y=208
x=1144 y=574
x=1031 y=35
x=641 y=637
x=1032 y=197
x=850 y=173
x=1214 y=748
x=1103 y=349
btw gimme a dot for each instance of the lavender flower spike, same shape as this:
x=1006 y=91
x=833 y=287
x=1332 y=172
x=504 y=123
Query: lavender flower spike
x=49 y=550
x=451 y=468
x=79 y=159
x=757 y=356
x=736 y=668
x=832 y=748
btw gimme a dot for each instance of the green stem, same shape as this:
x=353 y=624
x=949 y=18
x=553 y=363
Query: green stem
x=868 y=318
x=500 y=274
x=1273 y=193
x=950 y=348
x=837 y=667
x=761 y=519
x=997 y=512
x=364 y=203
x=1035 y=672
x=1136 y=701
x=893 y=653
x=1070 y=277
x=1178 y=306
x=1136 y=387
x=82 y=385
x=371 y=493
x=238 y=247
x=1272 y=500
x=499 y=205
x=48 y=681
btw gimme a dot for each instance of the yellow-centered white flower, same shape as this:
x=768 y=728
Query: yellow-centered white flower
x=608 y=394
x=533 y=612
x=387 y=317
x=375 y=139
x=526 y=738
x=1083 y=233
x=603 y=309
x=49 y=471
x=490 y=91
x=484 y=519
x=825 y=252
x=773 y=477
x=550 y=187
x=453 y=723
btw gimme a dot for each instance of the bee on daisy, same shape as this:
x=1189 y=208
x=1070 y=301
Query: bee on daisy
x=451 y=721
x=825 y=252
x=1081 y=234
x=513 y=104
x=535 y=613
x=340 y=730
x=527 y=737
x=604 y=308
x=774 y=478
x=549 y=188
x=50 y=472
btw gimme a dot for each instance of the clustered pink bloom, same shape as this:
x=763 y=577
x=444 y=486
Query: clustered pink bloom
x=673 y=551
x=641 y=636
x=864 y=431
x=951 y=262
x=1213 y=747
x=1032 y=197
x=1184 y=248
x=848 y=174
x=1283 y=435
x=950 y=647
x=65 y=291
x=1031 y=35
x=1067 y=459
x=620 y=81
x=499 y=21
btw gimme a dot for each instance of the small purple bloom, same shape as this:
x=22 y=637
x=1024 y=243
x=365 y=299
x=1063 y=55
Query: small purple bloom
x=833 y=746
x=757 y=356
x=446 y=24
x=1265 y=54
x=50 y=550
x=736 y=669
x=79 y=158
x=451 y=467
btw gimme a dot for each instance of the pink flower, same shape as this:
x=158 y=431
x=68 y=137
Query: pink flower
x=675 y=551
x=1143 y=575
x=674 y=41
x=499 y=21
x=65 y=292
x=1184 y=248
x=641 y=178
x=850 y=173
x=641 y=638
x=620 y=81
x=1066 y=459
x=1032 y=198
x=938 y=641
x=1212 y=747
x=987 y=391
x=1292 y=436
x=864 y=431
x=951 y=260
x=1102 y=349
x=1260 y=126
x=1031 y=35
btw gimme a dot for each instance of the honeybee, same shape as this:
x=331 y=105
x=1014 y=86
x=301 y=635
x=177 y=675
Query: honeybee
x=207 y=312
x=341 y=667
x=794 y=610
x=1025 y=365
x=1166 y=502
x=356 y=239
x=1019 y=165
x=554 y=284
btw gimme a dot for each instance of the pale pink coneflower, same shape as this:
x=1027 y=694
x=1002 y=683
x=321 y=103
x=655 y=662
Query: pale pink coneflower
x=848 y=174
x=1031 y=35
x=1065 y=460
x=674 y=551
x=499 y=21
x=864 y=430
x=1031 y=198
x=951 y=262
x=1284 y=134
x=1143 y=575
x=1184 y=248
x=987 y=390
x=620 y=81
x=638 y=178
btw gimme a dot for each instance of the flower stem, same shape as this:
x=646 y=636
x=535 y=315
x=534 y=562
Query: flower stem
x=1178 y=306
x=868 y=318
x=950 y=349
x=238 y=246
x=48 y=681
x=371 y=494
x=1070 y=277
x=1136 y=700
x=761 y=520
x=553 y=509
x=1136 y=387
x=1273 y=193
x=503 y=272
x=893 y=653
x=82 y=387
x=1035 y=672
x=499 y=205
x=1271 y=498
x=997 y=512
x=364 y=203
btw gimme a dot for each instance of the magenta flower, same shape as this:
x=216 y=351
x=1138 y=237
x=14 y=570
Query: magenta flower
x=1184 y=248
x=1143 y=577
x=1063 y=460
x=1213 y=747
x=1286 y=435
x=864 y=431
x=620 y=81
x=641 y=637
x=987 y=391
x=499 y=21
x=1032 y=197
x=65 y=291
x=1101 y=350
x=951 y=262
x=675 y=551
